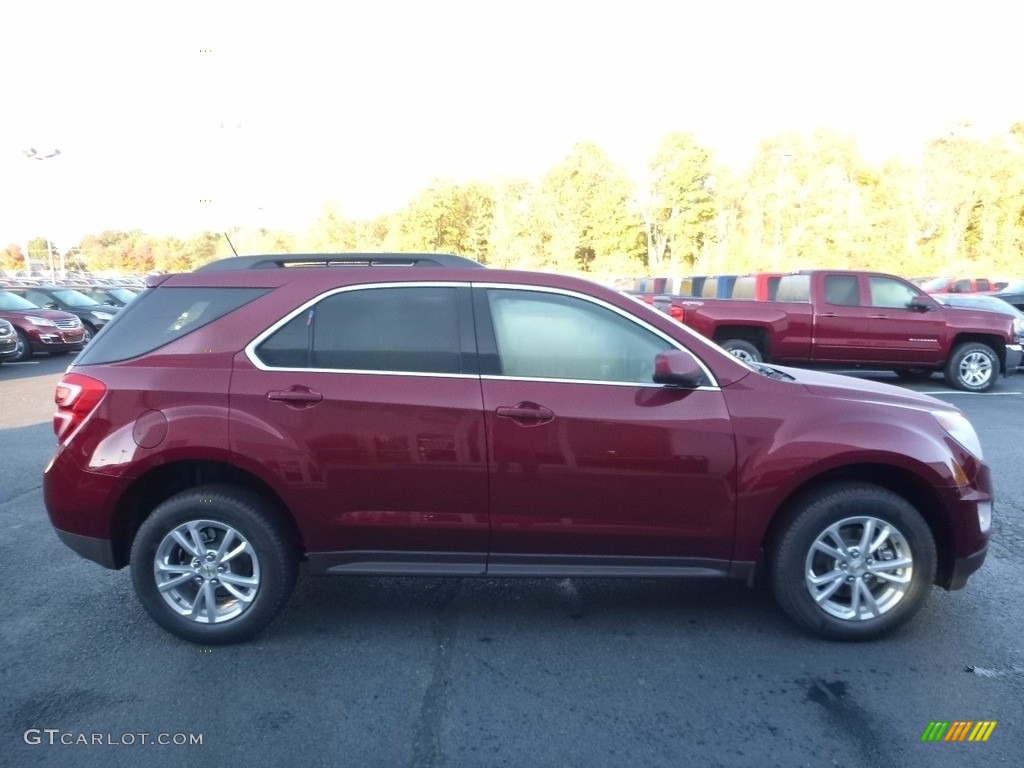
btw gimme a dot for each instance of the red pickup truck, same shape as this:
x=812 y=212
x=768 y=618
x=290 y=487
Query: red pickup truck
x=859 y=319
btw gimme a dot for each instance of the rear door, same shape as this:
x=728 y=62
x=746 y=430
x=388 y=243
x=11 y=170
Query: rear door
x=364 y=410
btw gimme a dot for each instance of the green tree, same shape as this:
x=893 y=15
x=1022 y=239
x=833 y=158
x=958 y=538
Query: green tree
x=587 y=217
x=680 y=213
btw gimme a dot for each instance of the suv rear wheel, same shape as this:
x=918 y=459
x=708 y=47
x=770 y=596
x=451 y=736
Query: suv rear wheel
x=212 y=564
x=855 y=562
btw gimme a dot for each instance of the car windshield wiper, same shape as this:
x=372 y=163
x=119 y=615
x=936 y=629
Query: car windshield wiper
x=772 y=373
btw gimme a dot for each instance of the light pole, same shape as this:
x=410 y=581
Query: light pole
x=33 y=154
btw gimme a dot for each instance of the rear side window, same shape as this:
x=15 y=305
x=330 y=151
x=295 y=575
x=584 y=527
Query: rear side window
x=159 y=316
x=393 y=329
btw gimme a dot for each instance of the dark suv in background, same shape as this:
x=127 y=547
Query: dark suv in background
x=421 y=415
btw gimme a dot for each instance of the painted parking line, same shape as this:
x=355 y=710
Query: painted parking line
x=23 y=362
x=959 y=392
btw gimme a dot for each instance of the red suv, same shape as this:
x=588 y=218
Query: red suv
x=420 y=415
x=40 y=330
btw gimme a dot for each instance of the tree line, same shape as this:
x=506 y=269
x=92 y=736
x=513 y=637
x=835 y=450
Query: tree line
x=805 y=200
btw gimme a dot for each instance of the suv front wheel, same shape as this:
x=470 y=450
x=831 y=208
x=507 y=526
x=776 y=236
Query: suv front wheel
x=212 y=564
x=854 y=562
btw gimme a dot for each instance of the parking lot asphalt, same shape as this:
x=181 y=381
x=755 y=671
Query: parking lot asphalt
x=361 y=671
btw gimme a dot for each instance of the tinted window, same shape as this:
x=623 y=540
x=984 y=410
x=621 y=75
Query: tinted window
x=550 y=336
x=414 y=330
x=159 y=316
x=841 y=290
x=794 y=288
x=889 y=293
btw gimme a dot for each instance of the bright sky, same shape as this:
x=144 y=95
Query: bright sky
x=299 y=102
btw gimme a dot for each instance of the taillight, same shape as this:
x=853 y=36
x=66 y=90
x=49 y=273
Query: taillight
x=676 y=313
x=76 y=397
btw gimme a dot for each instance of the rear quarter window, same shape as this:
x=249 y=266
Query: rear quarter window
x=159 y=316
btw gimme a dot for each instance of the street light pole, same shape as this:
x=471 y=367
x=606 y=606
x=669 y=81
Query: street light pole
x=33 y=154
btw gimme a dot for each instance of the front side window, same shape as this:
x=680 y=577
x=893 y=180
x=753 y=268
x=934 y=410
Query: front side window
x=551 y=336
x=890 y=294
x=406 y=329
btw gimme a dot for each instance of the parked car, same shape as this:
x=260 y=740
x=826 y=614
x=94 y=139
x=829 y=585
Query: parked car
x=437 y=418
x=40 y=330
x=760 y=286
x=8 y=341
x=988 y=303
x=958 y=285
x=92 y=314
x=108 y=295
x=865 y=319
x=1013 y=294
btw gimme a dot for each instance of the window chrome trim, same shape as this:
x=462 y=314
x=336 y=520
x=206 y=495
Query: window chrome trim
x=250 y=348
x=619 y=311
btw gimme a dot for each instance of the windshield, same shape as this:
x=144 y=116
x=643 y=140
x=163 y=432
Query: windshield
x=936 y=283
x=70 y=298
x=11 y=301
x=1014 y=286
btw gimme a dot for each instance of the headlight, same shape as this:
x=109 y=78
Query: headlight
x=41 y=321
x=960 y=429
x=1018 y=329
x=103 y=315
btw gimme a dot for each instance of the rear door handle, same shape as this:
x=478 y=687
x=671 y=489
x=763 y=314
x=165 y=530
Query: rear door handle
x=296 y=397
x=526 y=414
x=828 y=314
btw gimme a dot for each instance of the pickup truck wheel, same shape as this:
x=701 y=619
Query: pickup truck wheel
x=213 y=565
x=854 y=562
x=973 y=367
x=744 y=350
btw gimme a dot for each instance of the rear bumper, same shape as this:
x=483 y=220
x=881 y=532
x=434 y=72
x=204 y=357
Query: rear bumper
x=98 y=550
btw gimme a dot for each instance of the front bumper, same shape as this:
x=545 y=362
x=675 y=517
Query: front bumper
x=963 y=567
x=1013 y=358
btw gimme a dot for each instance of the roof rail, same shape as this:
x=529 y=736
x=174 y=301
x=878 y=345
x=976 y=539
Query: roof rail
x=340 y=260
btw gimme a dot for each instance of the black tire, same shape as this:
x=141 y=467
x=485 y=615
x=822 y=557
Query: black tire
x=23 y=348
x=744 y=350
x=794 y=558
x=215 y=510
x=89 y=333
x=973 y=367
x=915 y=374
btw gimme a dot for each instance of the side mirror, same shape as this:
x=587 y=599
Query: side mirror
x=922 y=304
x=50 y=305
x=677 y=368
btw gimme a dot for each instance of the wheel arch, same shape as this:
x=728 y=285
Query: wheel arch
x=755 y=335
x=995 y=343
x=902 y=482
x=161 y=483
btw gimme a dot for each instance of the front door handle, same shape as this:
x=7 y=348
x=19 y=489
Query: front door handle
x=525 y=414
x=295 y=397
